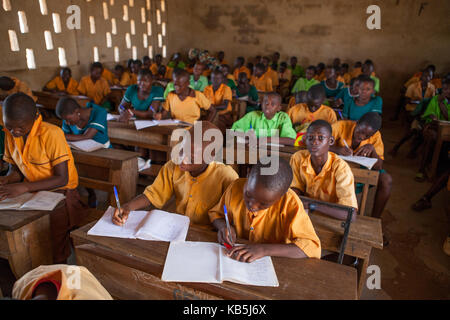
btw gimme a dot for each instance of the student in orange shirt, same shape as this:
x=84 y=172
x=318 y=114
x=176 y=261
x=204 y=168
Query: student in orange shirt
x=264 y=210
x=239 y=66
x=10 y=85
x=64 y=83
x=121 y=77
x=156 y=64
x=96 y=87
x=270 y=72
x=357 y=69
x=261 y=80
x=320 y=72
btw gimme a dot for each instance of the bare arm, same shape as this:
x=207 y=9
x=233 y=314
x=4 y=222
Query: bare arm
x=88 y=134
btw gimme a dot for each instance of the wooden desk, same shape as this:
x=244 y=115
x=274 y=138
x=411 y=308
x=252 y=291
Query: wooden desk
x=25 y=239
x=443 y=135
x=116 y=95
x=132 y=269
x=49 y=100
x=105 y=168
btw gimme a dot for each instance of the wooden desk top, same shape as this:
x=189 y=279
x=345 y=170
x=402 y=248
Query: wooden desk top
x=298 y=278
x=155 y=129
x=106 y=154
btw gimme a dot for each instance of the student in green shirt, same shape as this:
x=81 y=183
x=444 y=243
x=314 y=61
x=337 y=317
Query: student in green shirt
x=197 y=81
x=271 y=117
x=245 y=91
x=297 y=70
x=176 y=62
x=170 y=86
x=367 y=69
x=303 y=84
x=228 y=77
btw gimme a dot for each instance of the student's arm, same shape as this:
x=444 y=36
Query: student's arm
x=150 y=112
x=59 y=179
x=321 y=206
x=211 y=114
x=140 y=202
x=13 y=176
x=368 y=150
x=88 y=134
x=252 y=252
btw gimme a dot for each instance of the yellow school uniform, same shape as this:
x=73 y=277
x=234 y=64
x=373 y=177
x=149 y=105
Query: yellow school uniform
x=125 y=80
x=133 y=78
x=415 y=78
x=347 y=78
x=108 y=76
x=20 y=86
x=286 y=75
x=335 y=183
x=273 y=76
x=90 y=288
x=58 y=84
x=291 y=102
x=320 y=77
x=190 y=70
x=187 y=110
x=194 y=196
x=437 y=82
x=356 y=72
x=154 y=69
x=300 y=114
x=284 y=222
x=96 y=91
x=221 y=94
x=45 y=148
x=263 y=83
x=169 y=72
x=414 y=92
x=343 y=130
x=207 y=72
x=340 y=79
x=242 y=69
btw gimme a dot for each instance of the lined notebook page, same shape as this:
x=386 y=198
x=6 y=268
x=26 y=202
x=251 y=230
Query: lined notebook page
x=164 y=226
x=43 y=200
x=141 y=124
x=364 y=161
x=15 y=203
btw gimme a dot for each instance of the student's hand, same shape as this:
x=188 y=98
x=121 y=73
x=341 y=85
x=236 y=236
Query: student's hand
x=366 y=150
x=4 y=180
x=157 y=116
x=223 y=236
x=125 y=116
x=247 y=253
x=119 y=218
x=12 y=190
x=345 y=151
x=338 y=102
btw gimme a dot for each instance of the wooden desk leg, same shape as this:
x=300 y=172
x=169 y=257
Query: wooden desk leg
x=437 y=151
x=362 y=273
x=125 y=179
x=30 y=246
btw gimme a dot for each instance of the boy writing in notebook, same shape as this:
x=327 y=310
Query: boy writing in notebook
x=261 y=80
x=197 y=187
x=12 y=85
x=40 y=159
x=265 y=122
x=96 y=87
x=64 y=83
x=320 y=174
x=265 y=211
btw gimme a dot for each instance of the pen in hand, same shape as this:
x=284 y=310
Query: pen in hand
x=345 y=142
x=118 y=202
x=227 y=245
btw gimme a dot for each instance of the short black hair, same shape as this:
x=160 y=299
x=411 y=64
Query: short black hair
x=432 y=67
x=19 y=106
x=274 y=95
x=241 y=59
x=320 y=124
x=301 y=97
x=311 y=68
x=6 y=83
x=217 y=72
x=96 y=65
x=178 y=72
x=66 y=106
x=146 y=58
x=344 y=65
x=321 y=65
x=283 y=64
x=278 y=182
x=317 y=91
x=368 y=61
x=138 y=62
x=226 y=66
x=364 y=78
x=145 y=72
x=119 y=67
x=372 y=119
x=358 y=64
x=260 y=66
x=158 y=55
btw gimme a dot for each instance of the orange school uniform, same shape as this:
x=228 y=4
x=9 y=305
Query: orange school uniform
x=154 y=69
x=218 y=96
x=125 y=80
x=284 y=222
x=320 y=77
x=20 y=86
x=96 y=91
x=273 y=76
x=347 y=78
x=242 y=69
x=188 y=110
x=263 y=83
x=58 y=84
x=415 y=93
x=300 y=113
x=334 y=183
x=343 y=130
x=108 y=76
x=133 y=78
x=169 y=72
x=356 y=72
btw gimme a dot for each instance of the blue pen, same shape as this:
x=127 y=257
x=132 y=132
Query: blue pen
x=251 y=126
x=228 y=246
x=117 y=201
x=340 y=114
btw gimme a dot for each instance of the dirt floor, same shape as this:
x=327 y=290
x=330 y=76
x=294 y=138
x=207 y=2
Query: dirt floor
x=413 y=265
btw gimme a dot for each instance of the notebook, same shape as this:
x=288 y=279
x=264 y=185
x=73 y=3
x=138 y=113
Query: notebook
x=42 y=200
x=110 y=117
x=155 y=225
x=141 y=124
x=87 y=145
x=208 y=262
x=364 y=161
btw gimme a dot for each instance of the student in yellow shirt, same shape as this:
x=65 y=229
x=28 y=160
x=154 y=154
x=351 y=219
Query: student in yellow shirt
x=357 y=69
x=343 y=72
x=239 y=66
x=156 y=64
x=261 y=80
x=272 y=74
x=64 y=83
x=363 y=138
x=96 y=87
x=121 y=77
x=320 y=72
x=418 y=91
x=184 y=103
x=197 y=187
x=108 y=76
x=284 y=78
x=220 y=96
x=320 y=174
x=265 y=211
x=10 y=85
x=40 y=159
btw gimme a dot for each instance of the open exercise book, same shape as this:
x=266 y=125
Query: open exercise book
x=141 y=124
x=154 y=225
x=42 y=200
x=208 y=262
x=364 y=161
x=87 y=145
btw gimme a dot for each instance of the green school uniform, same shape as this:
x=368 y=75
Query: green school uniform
x=257 y=121
x=304 y=84
x=433 y=109
x=377 y=84
x=180 y=65
x=353 y=112
x=200 y=84
x=169 y=88
x=332 y=92
x=131 y=96
x=252 y=94
x=298 y=71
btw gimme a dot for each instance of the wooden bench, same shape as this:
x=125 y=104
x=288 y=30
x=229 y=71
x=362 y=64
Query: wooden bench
x=49 y=99
x=25 y=239
x=132 y=269
x=442 y=135
x=105 y=168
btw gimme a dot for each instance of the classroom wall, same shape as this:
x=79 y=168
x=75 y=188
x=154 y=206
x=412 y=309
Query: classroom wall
x=78 y=44
x=320 y=30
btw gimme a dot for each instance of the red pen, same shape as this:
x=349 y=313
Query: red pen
x=229 y=247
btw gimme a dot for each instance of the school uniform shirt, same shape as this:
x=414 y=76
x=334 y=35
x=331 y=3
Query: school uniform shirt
x=217 y=97
x=45 y=148
x=124 y=81
x=97 y=120
x=332 y=92
x=60 y=276
x=133 y=78
x=180 y=65
x=415 y=78
x=194 y=196
x=171 y=87
x=273 y=75
x=154 y=69
x=340 y=79
x=263 y=83
x=347 y=78
x=437 y=82
x=187 y=110
x=345 y=95
x=58 y=84
x=108 y=76
x=298 y=71
x=356 y=72
x=20 y=86
x=343 y=130
x=131 y=96
x=334 y=183
x=263 y=127
x=320 y=77
x=96 y=91
x=284 y=222
x=434 y=109
x=300 y=113
x=200 y=84
x=240 y=70
x=377 y=83
x=304 y=84
x=252 y=94
x=415 y=93
x=286 y=75
x=354 y=112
